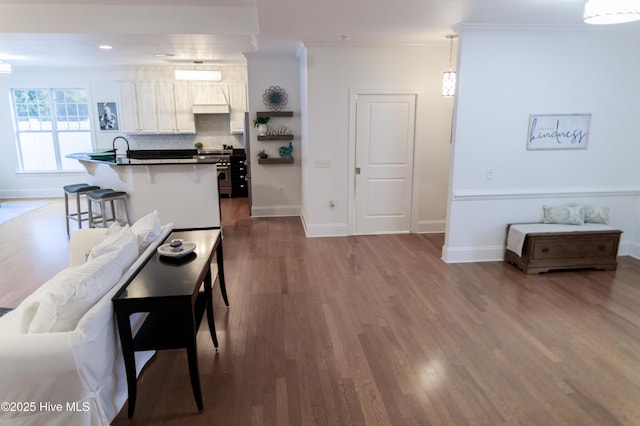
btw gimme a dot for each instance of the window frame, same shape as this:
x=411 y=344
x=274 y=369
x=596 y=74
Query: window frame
x=54 y=117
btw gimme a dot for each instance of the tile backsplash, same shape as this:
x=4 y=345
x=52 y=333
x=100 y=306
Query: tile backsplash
x=212 y=131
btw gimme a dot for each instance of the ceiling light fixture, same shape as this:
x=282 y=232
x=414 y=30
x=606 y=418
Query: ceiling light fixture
x=105 y=47
x=5 y=68
x=208 y=75
x=449 y=77
x=602 y=12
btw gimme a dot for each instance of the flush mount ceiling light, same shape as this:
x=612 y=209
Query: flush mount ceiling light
x=105 y=47
x=208 y=75
x=602 y=12
x=5 y=68
x=449 y=77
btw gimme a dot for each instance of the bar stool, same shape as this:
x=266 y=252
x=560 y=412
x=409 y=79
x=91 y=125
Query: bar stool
x=76 y=190
x=103 y=196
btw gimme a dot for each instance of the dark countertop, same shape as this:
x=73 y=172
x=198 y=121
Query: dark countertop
x=146 y=158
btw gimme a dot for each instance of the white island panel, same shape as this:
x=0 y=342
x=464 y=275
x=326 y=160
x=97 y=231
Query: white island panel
x=185 y=194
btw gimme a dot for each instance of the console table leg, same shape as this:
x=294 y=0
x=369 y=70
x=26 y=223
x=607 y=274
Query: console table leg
x=208 y=294
x=126 y=340
x=192 y=357
x=223 y=287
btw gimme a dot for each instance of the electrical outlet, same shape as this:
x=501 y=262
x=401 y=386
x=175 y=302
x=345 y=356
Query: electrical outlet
x=490 y=173
x=323 y=164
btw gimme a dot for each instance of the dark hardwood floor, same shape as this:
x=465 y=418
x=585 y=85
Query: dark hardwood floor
x=377 y=330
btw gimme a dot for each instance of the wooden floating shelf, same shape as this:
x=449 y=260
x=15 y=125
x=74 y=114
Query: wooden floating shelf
x=275 y=138
x=275 y=160
x=274 y=113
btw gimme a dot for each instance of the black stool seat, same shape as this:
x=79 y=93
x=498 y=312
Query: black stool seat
x=79 y=187
x=101 y=194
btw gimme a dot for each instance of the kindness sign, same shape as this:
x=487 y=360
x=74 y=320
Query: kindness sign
x=558 y=131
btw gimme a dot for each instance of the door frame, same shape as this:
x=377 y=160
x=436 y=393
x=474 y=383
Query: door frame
x=415 y=183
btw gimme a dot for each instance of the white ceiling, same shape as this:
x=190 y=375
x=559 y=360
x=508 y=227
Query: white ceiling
x=37 y=33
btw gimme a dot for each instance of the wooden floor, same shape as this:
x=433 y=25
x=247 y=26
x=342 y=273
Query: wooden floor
x=377 y=330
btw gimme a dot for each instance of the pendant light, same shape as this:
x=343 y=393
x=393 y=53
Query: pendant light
x=449 y=77
x=602 y=12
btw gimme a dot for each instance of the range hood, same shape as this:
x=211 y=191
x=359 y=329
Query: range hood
x=215 y=102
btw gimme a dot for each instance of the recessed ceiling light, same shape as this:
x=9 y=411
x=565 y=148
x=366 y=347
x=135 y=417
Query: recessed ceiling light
x=105 y=47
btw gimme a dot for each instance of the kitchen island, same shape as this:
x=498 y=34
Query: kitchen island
x=184 y=190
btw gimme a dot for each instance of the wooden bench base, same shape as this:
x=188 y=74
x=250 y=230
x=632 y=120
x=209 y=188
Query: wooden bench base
x=543 y=252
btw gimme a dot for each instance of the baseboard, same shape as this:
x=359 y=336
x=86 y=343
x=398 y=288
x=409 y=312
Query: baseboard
x=431 y=226
x=275 y=211
x=328 y=230
x=472 y=254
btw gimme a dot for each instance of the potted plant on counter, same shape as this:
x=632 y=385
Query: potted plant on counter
x=261 y=124
x=198 y=146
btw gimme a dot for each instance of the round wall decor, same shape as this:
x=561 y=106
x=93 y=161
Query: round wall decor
x=275 y=98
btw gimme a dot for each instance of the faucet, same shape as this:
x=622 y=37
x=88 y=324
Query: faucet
x=113 y=144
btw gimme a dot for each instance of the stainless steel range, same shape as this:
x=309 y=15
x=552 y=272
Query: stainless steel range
x=222 y=159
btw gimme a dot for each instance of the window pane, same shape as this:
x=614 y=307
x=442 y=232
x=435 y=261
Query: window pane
x=37 y=151
x=72 y=142
x=37 y=110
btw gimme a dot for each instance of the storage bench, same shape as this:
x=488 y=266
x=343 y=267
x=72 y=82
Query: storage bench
x=542 y=247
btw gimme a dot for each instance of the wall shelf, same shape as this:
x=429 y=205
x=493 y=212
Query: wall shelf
x=274 y=114
x=275 y=138
x=275 y=160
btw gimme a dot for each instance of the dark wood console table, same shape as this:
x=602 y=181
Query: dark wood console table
x=175 y=292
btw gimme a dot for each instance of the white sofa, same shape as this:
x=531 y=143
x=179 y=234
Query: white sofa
x=77 y=376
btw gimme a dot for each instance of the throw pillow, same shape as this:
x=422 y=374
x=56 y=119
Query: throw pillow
x=596 y=214
x=123 y=242
x=565 y=215
x=73 y=292
x=147 y=230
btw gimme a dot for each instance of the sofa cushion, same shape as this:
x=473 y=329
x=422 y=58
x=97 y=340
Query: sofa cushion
x=123 y=242
x=147 y=230
x=72 y=292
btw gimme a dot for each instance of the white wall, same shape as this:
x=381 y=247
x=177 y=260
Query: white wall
x=275 y=188
x=506 y=75
x=331 y=72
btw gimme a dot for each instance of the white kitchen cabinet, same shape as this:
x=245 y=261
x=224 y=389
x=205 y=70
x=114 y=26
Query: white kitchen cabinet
x=237 y=106
x=152 y=107
x=166 y=107
x=185 y=120
x=138 y=107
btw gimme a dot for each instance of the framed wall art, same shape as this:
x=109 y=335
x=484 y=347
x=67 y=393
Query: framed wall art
x=558 y=131
x=108 y=116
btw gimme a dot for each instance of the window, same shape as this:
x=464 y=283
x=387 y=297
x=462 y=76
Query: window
x=51 y=123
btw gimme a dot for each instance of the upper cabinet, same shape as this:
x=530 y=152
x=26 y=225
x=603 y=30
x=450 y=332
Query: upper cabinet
x=167 y=107
x=137 y=107
x=173 y=101
x=237 y=106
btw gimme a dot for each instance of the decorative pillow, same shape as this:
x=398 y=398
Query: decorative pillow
x=596 y=214
x=73 y=292
x=147 y=230
x=565 y=215
x=113 y=229
x=28 y=314
x=123 y=242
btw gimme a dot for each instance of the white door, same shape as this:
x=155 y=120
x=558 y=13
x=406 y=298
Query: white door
x=385 y=127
